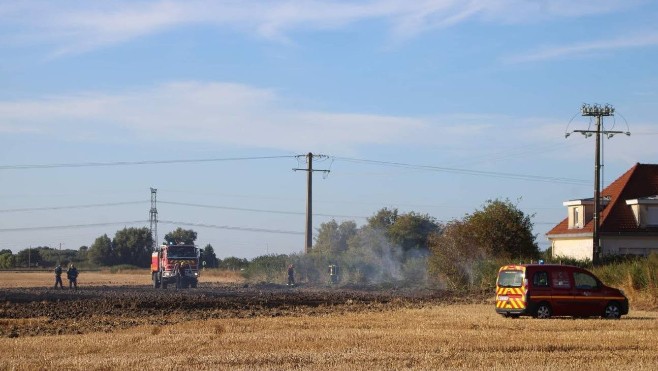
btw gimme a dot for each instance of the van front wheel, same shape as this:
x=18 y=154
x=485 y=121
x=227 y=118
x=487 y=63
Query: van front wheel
x=612 y=311
x=543 y=311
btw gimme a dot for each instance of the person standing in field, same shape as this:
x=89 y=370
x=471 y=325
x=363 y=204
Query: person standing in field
x=58 y=277
x=72 y=275
x=291 y=275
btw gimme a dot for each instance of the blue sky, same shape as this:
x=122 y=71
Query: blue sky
x=425 y=106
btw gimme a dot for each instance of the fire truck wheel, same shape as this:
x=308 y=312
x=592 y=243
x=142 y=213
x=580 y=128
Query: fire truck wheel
x=156 y=282
x=543 y=311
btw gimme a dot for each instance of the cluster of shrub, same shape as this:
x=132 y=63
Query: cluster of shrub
x=391 y=249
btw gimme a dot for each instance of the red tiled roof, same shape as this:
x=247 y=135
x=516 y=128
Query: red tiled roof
x=639 y=181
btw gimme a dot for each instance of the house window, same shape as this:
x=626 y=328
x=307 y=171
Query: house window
x=576 y=217
x=652 y=216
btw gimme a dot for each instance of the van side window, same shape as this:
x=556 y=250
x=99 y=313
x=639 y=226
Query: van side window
x=561 y=280
x=584 y=281
x=540 y=279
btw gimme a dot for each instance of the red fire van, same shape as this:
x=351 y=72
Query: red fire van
x=545 y=290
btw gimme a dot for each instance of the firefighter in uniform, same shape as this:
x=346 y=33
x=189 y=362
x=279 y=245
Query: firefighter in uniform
x=178 y=273
x=72 y=276
x=58 y=276
x=291 y=275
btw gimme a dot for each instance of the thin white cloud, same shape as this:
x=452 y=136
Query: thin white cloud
x=585 y=49
x=244 y=116
x=230 y=114
x=80 y=26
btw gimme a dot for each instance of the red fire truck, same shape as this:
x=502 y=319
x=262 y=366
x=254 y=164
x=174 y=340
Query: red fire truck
x=175 y=264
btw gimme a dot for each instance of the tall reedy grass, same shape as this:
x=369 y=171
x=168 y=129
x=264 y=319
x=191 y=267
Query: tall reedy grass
x=638 y=278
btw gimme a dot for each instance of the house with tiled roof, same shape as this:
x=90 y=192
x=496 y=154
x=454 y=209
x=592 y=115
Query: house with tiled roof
x=628 y=214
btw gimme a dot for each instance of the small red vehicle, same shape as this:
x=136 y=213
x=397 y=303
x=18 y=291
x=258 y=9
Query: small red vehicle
x=545 y=290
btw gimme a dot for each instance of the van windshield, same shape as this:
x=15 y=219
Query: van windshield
x=510 y=279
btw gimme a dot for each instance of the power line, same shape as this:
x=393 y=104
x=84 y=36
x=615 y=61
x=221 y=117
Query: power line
x=71 y=207
x=537 y=178
x=74 y=226
x=244 y=229
x=70 y=226
x=256 y=210
x=87 y=206
x=355 y=160
x=130 y=163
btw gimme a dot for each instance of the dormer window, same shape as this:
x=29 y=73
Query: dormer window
x=580 y=212
x=645 y=210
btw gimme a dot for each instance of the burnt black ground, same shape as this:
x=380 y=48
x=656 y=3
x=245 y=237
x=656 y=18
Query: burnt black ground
x=41 y=311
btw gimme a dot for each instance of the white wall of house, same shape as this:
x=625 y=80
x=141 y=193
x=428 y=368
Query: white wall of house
x=629 y=245
x=581 y=248
x=577 y=248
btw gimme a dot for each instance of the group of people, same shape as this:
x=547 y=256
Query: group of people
x=71 y=275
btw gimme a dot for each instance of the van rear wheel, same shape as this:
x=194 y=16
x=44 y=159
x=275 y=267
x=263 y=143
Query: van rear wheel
x=612 y=311
x=543 y=311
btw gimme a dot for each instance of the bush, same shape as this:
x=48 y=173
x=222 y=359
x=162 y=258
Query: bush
x=267 y=268
x=638 y=277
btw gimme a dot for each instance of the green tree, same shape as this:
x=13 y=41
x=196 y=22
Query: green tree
x=268 y=268
x=454 y=253
x=208 y=256
x=333 y=237
x=468 y=251
x=82 y=253
x=503 y=230
x=133 y=246
x=50 y=256
x=383 y=219
x=28 y=258
x=186 y=236
x=7 y=259
x=408 y=231
x=411 y=231
x=102 y=252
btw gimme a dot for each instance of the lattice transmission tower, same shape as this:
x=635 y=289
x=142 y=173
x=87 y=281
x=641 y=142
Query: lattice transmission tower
x=154 y=218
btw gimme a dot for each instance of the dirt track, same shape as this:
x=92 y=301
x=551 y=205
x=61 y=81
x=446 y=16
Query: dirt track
x=39 y=311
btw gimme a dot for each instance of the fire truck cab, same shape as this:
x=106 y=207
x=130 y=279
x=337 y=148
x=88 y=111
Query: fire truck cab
x=175 y=264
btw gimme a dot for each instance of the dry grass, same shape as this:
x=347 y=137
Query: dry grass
x=103 y=278
x=439 y=337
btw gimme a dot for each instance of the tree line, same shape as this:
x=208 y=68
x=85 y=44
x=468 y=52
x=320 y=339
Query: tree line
x=414 y=249
x=390 y=247
x=129 y=246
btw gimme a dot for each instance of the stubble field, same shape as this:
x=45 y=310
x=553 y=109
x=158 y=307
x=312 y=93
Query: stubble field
x=117 y=321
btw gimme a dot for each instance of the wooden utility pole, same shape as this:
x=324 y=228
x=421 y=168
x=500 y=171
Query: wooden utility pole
x=597 y=111
x=309 y=198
